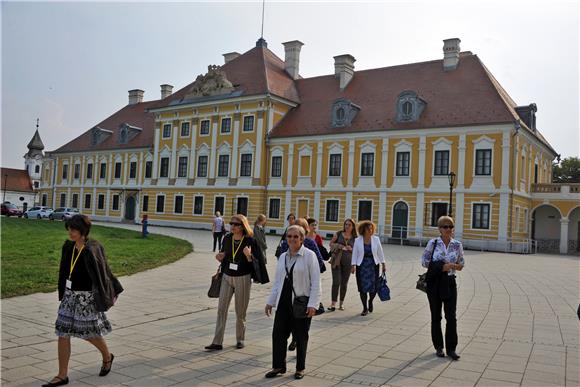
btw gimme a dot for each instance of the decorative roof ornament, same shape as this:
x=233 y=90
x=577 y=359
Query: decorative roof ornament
x=214 y=82
x=35 y=146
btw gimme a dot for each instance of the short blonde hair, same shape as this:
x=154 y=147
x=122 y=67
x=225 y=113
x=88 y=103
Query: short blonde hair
x=445 y=221
x=297 y=228
x=364 y=225
x=259 y=219
x=301 y=222
x=245 y=224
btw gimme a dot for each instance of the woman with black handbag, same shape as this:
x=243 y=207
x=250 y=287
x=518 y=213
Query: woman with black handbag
x=442 y=257
x=296 y=296
x=87 y=289
x=238 y=259
x=341 y=246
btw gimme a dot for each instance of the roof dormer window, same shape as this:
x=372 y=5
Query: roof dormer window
x=409 y=106
x=343 y=113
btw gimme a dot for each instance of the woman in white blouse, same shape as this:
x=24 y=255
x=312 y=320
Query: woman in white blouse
x=297 y=274
x=367 y=255
x=442 y=257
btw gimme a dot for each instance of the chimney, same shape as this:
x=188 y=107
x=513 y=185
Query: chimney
x=451 y=54
x=230 y=56
x=166 y=91
x=344 y=69
x=135 y=96
x=292 y=57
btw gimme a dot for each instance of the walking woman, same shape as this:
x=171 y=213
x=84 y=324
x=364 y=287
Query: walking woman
x=260 y=234
x=218 y=229
x=367 y=255
x=341 y=246
x=291 y=218
x=313 y=234
x=239 y=250
x=442 y=257
x=297 y=275
x=86 y=288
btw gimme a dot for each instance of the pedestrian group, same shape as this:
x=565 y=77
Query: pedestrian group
x=87 y=288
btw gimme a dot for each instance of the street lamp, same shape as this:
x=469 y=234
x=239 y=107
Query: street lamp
x=451 y=178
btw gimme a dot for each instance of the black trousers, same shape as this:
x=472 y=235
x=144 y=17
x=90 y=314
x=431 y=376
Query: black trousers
x=284 y=325
x=217 y=240
x=450 y=307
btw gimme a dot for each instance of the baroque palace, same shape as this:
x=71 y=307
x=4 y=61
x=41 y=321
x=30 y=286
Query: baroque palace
x=252 y=136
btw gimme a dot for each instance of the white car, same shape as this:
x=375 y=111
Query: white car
x=38 y=212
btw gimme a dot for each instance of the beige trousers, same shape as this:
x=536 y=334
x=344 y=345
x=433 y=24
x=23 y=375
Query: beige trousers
x=240 y=286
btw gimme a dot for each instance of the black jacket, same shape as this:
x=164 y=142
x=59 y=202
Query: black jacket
x=106 y=287
x=438 y=280
x=258 y=269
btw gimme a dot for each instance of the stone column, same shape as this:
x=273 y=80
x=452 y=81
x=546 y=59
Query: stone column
x=382 y=224
x=173 y=161
x=564 y=235
x=348 y=199
x=214 y=132
x=288 y=200
x=192 y=160
x=155 y=173
x=420 y=205
x=235 y=145
x=460 y=188
x=259 y=144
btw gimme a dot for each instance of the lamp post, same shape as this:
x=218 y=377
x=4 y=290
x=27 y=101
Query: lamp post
x=451 y=178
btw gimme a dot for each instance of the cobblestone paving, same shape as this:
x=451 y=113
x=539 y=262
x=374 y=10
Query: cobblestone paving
x=517 y=327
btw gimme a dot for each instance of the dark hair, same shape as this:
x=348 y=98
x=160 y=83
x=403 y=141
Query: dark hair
x=311 y=221
x=354 y=233
x=81 y=223
x=290 y=215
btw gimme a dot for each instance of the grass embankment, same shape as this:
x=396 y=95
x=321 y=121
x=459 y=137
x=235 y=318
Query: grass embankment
x=31 y=252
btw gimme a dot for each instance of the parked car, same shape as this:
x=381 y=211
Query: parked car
x=10 y=209
x=63 y=213
x=38 y=212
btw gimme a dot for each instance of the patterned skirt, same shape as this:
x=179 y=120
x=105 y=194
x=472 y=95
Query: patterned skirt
x=367 y=275
x=78 y=316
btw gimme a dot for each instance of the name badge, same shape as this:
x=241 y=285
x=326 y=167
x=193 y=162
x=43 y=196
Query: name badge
x=233 y=266
x=68 y=284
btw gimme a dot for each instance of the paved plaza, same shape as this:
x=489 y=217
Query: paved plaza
x=517 y=325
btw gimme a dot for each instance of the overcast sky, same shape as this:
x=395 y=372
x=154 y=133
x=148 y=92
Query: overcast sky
x=71 y=63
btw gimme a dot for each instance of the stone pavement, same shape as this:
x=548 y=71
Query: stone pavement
x=517 y=326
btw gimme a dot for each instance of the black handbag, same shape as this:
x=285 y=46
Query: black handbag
x=422 y=281
x=216 y=282
x=300 y=303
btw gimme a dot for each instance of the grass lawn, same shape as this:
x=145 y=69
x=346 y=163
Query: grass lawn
x=31 y=251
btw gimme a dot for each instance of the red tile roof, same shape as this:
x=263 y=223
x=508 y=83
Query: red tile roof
x=15 y=180
x=134 y=115
x=257 y=71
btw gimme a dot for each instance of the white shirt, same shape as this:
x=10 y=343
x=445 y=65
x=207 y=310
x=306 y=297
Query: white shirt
x=358 y=251
x=306 y=277
x=453 y=253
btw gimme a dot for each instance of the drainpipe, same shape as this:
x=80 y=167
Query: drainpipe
x=513 y=182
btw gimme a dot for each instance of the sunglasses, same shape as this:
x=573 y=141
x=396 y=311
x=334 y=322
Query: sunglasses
x=235 y=224
x=292 y=236
x=447 y=227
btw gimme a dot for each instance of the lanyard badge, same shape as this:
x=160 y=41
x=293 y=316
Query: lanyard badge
x=73 y=263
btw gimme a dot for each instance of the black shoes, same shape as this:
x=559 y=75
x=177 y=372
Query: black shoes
x=440 y=353
x=299 y=374
x=59 y=382
x=240 y=345
x=275 y=372
x=292 y=345
x=104 y=369
x=364 y=312
x=371 y=308
x=331 y=308
x=214 y=347
x=453 y=355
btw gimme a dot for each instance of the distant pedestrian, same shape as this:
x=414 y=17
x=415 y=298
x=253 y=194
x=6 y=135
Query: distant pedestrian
x=86 y=288
x=144 y=225
x=367 y=255
x=443 y=256
x=218 y=228
x=291 y=218
x=297 y=283
x=260 y=234
x=341 y=246
x=239 y=250
x=313 y=234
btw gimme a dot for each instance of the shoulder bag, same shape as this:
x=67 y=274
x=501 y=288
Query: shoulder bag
x=422 y=281
x=216 y=281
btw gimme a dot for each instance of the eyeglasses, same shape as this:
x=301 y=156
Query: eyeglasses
x=235 y=224
x=447 y=227
x=292 y=236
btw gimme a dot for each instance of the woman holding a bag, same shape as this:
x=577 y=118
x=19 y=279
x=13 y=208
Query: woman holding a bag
x=87 y=288
x=442 y=257
x=296 y=296
x=239 y=250
x=367 y=255
x=341 y=246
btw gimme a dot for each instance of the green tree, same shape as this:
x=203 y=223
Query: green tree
x=568 y=171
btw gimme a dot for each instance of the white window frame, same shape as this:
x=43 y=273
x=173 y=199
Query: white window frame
x=104 y=202
x=482 y=143
x=372 y=207
x=326 y=211
x=182 y=204
x=90 y=162
x=253 y=123
x=113 y=202
x=164 y=202
x=209 y=127
x=149 y=157
x=403 y=146
x=224 y=149
x=304 y=150
x=222 y=125
x=85 y=201
x=202 y=204
x=279 y=206
x=431 y=211
x=441 y=144
x=163 y=125
x=367 y=147
x=181 y=128
x=242 y=196
x=490 y=216
x=277 y=152
x=202 y=150
x=117 y=159
x=246 y=148
x=133 y=159
x=335 y=149
x=214 y=202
